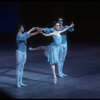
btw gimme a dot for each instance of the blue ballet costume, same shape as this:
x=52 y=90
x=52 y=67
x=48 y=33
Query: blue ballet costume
x=63 y=48
x=52 y=50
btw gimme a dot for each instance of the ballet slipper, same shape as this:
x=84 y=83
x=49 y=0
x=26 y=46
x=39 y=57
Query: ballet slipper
x=22 y=84
x=60 y=75
x=64 y=74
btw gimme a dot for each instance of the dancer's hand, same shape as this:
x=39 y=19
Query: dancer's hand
x=39 y=31
x=37 y=28
x=34 y=28
x=72 y=24
x=30 y=48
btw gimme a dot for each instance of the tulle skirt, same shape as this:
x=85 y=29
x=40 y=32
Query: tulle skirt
x=52 y=52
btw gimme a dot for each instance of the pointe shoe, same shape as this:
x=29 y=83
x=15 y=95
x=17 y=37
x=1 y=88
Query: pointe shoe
x=22 y=84
x=55 y=80
x=61 y=75
x=64 y=74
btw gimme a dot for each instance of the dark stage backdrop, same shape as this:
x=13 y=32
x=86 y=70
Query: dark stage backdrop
x=85 y=15
x=9 y=17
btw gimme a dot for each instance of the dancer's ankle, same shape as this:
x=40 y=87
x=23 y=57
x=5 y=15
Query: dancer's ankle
x=55 y=79
x=18 y=85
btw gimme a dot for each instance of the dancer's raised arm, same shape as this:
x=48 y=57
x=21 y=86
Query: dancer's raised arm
x=66 y=28
x=32 y=29
x=35 y=33
x=51 y=34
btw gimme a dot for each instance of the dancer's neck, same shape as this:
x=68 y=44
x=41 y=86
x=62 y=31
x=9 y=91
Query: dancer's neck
x=19 y=32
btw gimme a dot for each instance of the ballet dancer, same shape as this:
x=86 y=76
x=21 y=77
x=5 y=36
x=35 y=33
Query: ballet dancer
x=21 y=52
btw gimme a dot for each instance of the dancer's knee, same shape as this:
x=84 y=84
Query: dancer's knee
x=18 y=67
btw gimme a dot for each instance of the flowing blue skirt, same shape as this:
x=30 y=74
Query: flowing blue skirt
x=52 y=53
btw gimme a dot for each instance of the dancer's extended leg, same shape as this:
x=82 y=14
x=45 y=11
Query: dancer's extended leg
x=37 y=48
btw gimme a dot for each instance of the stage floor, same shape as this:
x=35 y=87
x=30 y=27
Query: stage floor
x=82 y=65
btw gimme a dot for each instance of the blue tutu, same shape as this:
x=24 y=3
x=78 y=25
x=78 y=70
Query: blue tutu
x=52 y=51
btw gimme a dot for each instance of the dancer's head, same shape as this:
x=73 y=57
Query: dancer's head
x=56 y=26
x=60 y=21
x=20 y=28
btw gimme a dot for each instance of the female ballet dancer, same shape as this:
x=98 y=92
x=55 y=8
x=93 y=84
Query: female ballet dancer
x=52 y=51
x=21 y=52
x=64 y=49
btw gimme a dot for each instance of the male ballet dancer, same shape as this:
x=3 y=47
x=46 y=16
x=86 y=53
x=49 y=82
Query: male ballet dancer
x=21 y=52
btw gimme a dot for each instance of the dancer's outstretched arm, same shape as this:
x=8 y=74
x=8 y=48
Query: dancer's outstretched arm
x=32 y=29
x=35 y=33
x=37 y=48
x=70 y=29
x=51 y=34
x=66 y=28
